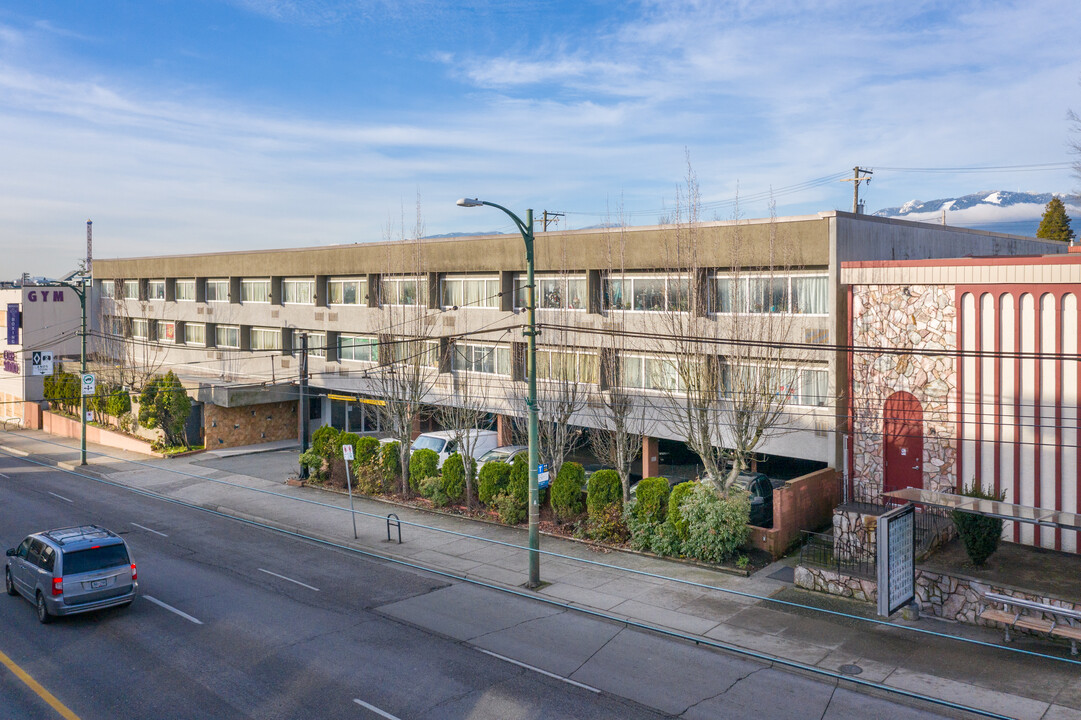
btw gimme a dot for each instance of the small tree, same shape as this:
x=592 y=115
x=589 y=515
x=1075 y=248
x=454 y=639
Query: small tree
x=980 y=534
x=1055 y=224
x=164 y=404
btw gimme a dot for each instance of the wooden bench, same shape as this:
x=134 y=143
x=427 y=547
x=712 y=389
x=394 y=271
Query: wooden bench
x=1021 y=614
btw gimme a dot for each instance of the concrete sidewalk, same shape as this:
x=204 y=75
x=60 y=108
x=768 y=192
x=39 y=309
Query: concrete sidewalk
x=690 y=600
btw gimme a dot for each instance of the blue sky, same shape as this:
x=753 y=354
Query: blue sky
x=199 y=125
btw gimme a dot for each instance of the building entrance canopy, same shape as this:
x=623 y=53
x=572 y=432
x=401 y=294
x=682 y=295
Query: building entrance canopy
x=992 y=508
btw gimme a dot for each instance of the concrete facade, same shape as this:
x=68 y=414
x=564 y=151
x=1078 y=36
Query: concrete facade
x=174 y=290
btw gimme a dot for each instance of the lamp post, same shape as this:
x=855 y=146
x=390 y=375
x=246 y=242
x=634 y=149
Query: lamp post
x=526 y=229
x=80 y=291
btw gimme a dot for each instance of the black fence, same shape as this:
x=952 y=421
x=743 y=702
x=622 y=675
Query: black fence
x=823 y=551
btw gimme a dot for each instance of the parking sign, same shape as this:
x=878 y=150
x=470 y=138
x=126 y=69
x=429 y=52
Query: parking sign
x=41 y=362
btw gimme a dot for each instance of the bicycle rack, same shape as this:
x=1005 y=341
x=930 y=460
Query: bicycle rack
x=396 y=523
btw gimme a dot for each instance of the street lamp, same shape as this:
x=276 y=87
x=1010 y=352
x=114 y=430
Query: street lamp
x=526 y=229
x=80 y=290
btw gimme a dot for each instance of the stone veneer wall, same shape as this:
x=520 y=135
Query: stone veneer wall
x=854 y=532
x=952 y=597
x=249 y=424
x=903 y=317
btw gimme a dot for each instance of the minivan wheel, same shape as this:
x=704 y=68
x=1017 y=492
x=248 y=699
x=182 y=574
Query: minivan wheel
x=9 y=584
x=43 y=611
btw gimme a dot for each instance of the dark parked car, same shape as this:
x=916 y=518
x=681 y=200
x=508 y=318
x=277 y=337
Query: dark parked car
x=761 y=490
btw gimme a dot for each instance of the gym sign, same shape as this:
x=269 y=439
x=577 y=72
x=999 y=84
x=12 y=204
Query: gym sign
x=11 y=362
x=44 y=296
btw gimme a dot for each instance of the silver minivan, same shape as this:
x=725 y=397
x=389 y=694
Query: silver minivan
x=72 y=570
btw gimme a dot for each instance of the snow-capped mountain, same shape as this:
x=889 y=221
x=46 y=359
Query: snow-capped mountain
x=1018 y=213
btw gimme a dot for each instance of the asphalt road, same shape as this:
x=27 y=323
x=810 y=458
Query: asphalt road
x=237 y=621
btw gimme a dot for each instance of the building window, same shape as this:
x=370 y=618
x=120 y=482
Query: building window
x=648 y=293
x=227 y=336
x=155 y=290
x=298 y=291
x=490 y=359
x=650 y=373
x=813 y=389
x=217 y=290
x=358 y=348
x=255 y=291
x=554 y=292
x=140 y=329
x=471 y=292
x=347 y=291
x=166 y=330
x=185 y=290
x=131 y=289
x=194 y=334
x=763 y=294
x=108 y=289
x=114 y=326
x=266 y=339
x=571 y=366
x=404 y=291
x=806 y=386
x=408 y=351
x=317 y=343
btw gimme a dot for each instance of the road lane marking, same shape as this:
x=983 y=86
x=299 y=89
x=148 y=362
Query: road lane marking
x=289 y=579
x=37 y=688
x=143 y=527
x=61 y=497
x=537 y=669
x=172 y=609
x=6 y=477
x=374 y=709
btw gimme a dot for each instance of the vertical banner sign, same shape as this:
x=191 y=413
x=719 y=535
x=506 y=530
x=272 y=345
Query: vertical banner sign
x=13 y=321
x=896 y=559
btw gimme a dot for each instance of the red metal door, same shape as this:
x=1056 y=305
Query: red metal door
x=903 y=442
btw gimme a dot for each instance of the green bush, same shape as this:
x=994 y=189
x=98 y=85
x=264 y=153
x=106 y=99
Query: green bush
x=368 y=479
x=314 y=462
x=118 y=403
x=323 y=438
x=651 y=499
x=390 y=460
x=675 y=519
x=432 y=488
x=716 y=524
x=518 y=484
x=344 y=438
x=366 y=451
x=510 y=510
x=980 y=534
x=566 y=495
x=164 y=404
x=453 y=485
x=423 y=463
x=492 y=481
x=605 y=490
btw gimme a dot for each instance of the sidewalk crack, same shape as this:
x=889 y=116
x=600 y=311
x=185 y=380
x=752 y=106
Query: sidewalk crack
x=594 y=653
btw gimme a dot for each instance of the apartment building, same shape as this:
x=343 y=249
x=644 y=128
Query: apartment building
x=615 y=306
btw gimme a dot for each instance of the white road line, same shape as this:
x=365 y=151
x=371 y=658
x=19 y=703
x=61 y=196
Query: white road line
x=143 y=527
x=542 y=672
x=374 y=709
x=4 y=476
x=172 y=609
x=61 y=497
x=289 y=579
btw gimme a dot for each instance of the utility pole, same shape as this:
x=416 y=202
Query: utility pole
x=856 y=179
x=80 y=290
x=554 y=218
x=303 y=409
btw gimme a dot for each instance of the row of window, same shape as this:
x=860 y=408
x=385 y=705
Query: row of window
x=749 y=293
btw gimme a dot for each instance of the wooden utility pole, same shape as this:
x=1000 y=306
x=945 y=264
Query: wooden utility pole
x=549 y=217
x=856 y=179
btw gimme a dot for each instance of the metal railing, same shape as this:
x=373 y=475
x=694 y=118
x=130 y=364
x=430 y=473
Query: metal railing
x=823 y=551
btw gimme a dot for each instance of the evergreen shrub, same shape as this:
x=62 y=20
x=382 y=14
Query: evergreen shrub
x=716 y=524
x=566 y=496
x=423 y=464
x=492 y=481
x=605 y=490
x=980 y=534
x=453 y=485
x=651 y=500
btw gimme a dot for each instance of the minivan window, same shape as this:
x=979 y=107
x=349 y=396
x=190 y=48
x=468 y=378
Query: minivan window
x=24 y=548
x=34 y=556
x=429 y=443
x=48 y=558
x=96 y=558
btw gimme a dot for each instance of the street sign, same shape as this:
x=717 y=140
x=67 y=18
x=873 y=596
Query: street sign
x=542 y=476
x=41 y=362
x=896 y=560
x=347 y=452
x=89 y=384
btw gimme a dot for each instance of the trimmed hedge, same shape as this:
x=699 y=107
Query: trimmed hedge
x=675 y=508
x=323 y=438
x=390 y=461
x=605 y=491
x=453 y=484
x=493 y=480
x=423 y=464
x=366 y=451
x=518 y=485
x=980 y=534
x=566 y=495
x=651 y=503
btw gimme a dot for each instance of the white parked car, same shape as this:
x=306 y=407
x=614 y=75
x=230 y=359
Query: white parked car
x=443 y=442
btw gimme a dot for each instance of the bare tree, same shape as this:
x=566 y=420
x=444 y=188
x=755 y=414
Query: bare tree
x=408 y=359
x=126 y=361
x=728 y=381
x=613 y=440
x=464 y=408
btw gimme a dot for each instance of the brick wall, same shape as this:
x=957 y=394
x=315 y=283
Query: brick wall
x=805 y=503
x=249 y=424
